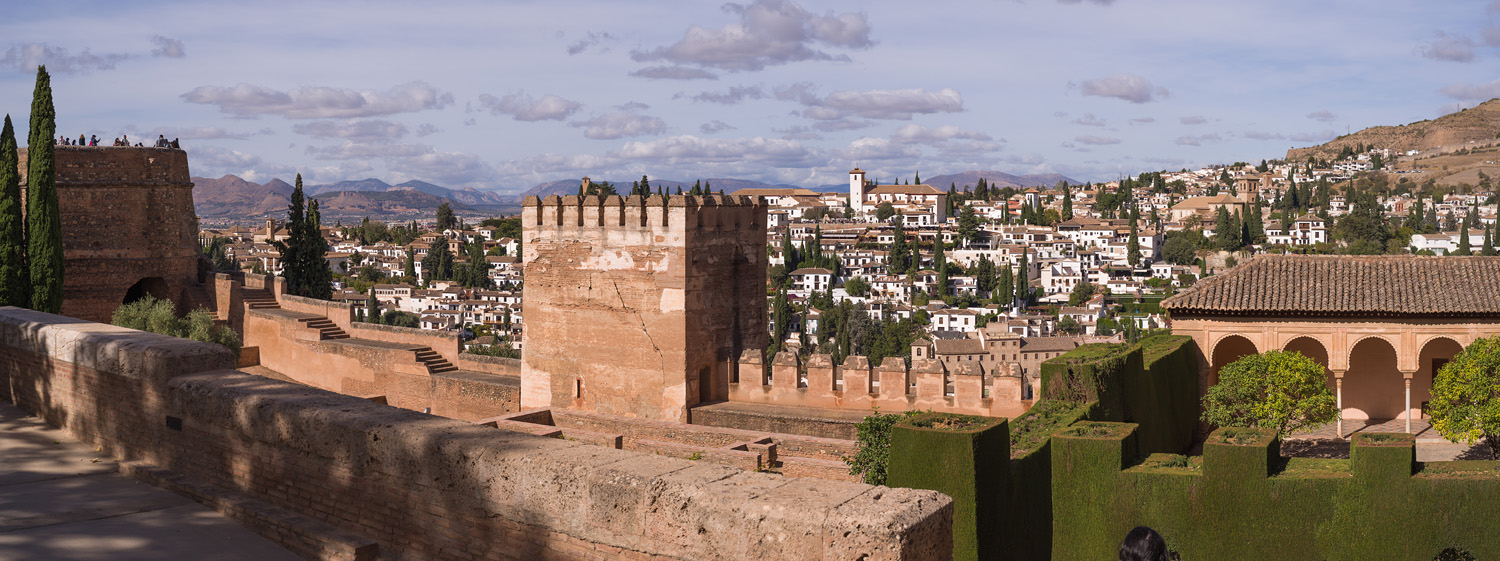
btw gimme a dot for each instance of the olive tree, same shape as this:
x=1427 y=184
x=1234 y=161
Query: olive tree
x=1279 y=390
x=1465 y=405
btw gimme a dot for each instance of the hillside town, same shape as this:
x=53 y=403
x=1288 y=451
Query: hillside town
x=1004 y=277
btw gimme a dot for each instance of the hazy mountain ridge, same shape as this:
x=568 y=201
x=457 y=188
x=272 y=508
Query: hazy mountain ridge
x=570 y=186
x=232 y=197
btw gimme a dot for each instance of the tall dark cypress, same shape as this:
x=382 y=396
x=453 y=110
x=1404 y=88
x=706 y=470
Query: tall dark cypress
x=43 y=218
x=302 y=254
x=15 y=281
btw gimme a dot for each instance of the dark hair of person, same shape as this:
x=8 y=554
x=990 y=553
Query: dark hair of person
x=1143 y=544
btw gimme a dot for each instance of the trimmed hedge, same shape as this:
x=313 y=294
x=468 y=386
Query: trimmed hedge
x=1248 y=503
x=1153 y=384
x=964 y=457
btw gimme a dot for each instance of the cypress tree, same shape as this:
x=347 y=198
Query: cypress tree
x=411 y=265
x=1463 y=240
x=1067 y=207
x=940 y=262
x=15 y=280
x=1133 y=247
x=1023 y=284
x=1489 y=243
x=1004 y=284
x=373 y=306
x=302 y=254
x=43 y=218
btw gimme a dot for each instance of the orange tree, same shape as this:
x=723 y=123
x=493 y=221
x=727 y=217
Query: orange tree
x=1465 y=405
x=1279 y=390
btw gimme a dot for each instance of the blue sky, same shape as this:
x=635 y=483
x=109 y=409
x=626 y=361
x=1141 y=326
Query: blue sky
x=505 y=95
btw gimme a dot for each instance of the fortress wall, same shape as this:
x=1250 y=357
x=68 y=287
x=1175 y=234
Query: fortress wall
x=490 y=364
x=445 y=343
x=857 y=385
x=637 y=272
x=339 y=313
x=425 y=487
x=389 y=371
x=127 y=215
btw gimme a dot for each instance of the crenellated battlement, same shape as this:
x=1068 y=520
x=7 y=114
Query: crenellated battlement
x=653 y=212
x=891 y=386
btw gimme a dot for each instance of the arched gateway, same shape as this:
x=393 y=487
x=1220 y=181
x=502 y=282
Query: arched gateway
x=1382 y=325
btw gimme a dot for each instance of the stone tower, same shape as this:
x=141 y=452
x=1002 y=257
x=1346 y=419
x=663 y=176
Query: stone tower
x=640 y=306
x=857 y=190
x=128 y=226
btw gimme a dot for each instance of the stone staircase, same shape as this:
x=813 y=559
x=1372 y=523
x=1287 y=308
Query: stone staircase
x=434 y=361
x=259 y=299
x=327 y=330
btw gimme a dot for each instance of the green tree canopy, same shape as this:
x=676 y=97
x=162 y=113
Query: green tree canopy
x=1465 y=405
x=15 y=279
x=884 y=211
x=445 y=219
x=1279 y=390
x=44 y=251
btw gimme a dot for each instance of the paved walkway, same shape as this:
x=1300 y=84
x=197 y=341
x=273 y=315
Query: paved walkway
x=1324 y=441
x=60 y=500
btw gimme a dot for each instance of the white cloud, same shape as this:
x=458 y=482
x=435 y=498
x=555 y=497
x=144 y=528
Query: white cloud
x=674 y=73
x=425 y=129
x=1262 y=135
x=715 y=126
x=775 y=152
x=1323 y=115
x=316 y=102
x=878 y=149
x=1193 y=120
x=58 y=60
x=1473 y=91
x=895 y=104
x=199 y=133
x=167 y=47
x=1456 y=48
x=373 y=130
x=1128 y=87
x=1142 y=120
x=768 y=33
x=621 y=125
x=590 y=40
x=522 y=107
x=1199 y=140
x=1096 y=140
x=1088 y=119
x=731 y=96
x=918 y=134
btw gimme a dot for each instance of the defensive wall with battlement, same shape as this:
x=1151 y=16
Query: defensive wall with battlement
x=640 y=306
x=339 y=477
x=128 y=227
x=891 y=386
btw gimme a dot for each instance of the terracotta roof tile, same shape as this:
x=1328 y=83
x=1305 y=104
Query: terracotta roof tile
x=1347 y=285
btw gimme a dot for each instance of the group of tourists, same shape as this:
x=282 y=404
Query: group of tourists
x=124 y=140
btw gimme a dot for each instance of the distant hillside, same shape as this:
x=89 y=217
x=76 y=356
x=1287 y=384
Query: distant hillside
x=1475 y=124
x=466 y=196
x=570 y=186
x=233 y=197
x=998 y=179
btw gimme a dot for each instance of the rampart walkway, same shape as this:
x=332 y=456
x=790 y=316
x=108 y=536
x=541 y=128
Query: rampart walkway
x=60 y=500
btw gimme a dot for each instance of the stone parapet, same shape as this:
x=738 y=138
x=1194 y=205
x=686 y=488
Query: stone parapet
x=425 y=487
x=928 y=384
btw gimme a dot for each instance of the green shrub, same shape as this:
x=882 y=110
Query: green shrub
x=873 y=435
x=160 y=316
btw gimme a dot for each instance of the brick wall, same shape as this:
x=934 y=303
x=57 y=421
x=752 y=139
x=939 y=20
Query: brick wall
x=127 y=215
x=425 y=487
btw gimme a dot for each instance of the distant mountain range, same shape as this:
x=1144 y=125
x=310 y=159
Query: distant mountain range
x=967 y=180
x=231 y=197
x=570 y=186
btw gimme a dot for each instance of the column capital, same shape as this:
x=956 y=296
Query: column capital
x=1338 y=374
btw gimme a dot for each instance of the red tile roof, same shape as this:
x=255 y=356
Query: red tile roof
x=1347 y=285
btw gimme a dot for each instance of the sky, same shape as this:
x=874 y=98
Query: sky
x=503 y=95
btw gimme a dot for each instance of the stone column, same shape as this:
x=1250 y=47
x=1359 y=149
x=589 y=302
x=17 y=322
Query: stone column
x=1338 y=384
x=1406 y=377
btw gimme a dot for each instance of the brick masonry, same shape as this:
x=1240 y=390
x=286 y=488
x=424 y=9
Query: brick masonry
x=425 y=487
x=640 y=306
x=127 y=216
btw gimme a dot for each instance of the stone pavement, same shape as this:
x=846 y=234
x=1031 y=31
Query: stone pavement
x=60 y=500
x=1431 y=447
